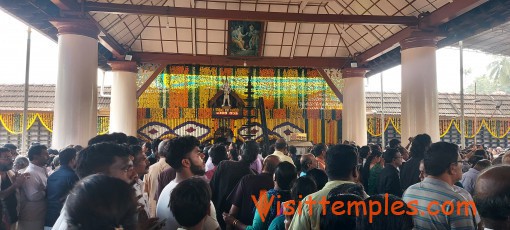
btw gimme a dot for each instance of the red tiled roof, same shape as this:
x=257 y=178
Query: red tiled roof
x=448 y=104
x=41 y=98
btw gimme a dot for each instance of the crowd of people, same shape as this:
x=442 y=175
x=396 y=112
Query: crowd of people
x=118 y=182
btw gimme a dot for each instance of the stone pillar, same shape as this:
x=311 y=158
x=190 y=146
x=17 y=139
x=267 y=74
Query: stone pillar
x=354 y=114
x=75 y=115
x=419 y=109
x=123 y=101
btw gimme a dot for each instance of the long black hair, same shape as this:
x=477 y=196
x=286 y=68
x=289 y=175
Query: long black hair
x=365 y=172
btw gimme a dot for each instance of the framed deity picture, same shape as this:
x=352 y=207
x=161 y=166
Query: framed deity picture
x=245 y=38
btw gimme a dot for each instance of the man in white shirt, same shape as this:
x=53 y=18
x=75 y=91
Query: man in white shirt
x=281 y=149
x=33 y=193
x=150 y=180
x=183 y=155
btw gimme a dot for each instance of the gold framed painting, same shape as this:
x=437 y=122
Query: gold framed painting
x=245 y=38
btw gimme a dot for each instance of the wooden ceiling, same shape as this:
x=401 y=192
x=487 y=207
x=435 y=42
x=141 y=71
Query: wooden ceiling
x=305 y=33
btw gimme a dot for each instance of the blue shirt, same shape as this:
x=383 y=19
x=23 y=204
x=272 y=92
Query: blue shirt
x=469 y=179
x=430 y=195
x=59 y=185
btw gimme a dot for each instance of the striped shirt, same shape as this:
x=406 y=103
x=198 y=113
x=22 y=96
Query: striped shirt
x=438 y=207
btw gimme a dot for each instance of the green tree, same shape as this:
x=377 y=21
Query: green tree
x=499 y=73
x=484 y=85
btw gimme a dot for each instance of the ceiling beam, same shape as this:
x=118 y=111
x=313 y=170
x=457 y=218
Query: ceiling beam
x=436 y=18
x=247 y=15
x=67 y=5
x=72 y=7
x=296 y=30
x=305 y=62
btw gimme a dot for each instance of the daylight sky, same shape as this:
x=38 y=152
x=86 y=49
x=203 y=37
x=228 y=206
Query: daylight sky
x=43 y=62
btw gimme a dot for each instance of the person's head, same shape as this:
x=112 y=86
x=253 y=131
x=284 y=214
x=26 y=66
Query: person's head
x=38 y=155
x=68 y=157
x=332 y=221
x=347 y=188
x=20 y=162
x=52 y=152
x=443 y=160
x=5 y=160
x=482 y=165
x=302 y=187
x=234 y=154
x=154 y=145
x=183 y=155
x=140 y=161
x=394 y=143
x=119 y=138
x=498 y=160
x=160 y=148
x=341 y=162
x=506 y=158
x=102 y=202
x=146 y=147
x=100 y=139
x=249 y=152
x=270 y=164
x=218 y=153
x=423 y=174
x=492 y=197
x=391 y=220
x=319 y=176
x=292 y=150
x=420 y=145
x=374 y=158
x=281 y=145
x=284 y=175
x=78 y=148
x=393 y=157
x=403 y=151
x=474 y=159
x=105 y=158
x=482 y=153
x=132 y=140
x=364 y=152
x=55 y=163
x=190 y=202
x=308 y=162
x=374 y=147
x=12 y=148
x=319 y=150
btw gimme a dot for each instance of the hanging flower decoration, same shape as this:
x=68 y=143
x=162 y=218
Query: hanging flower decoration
x=313 y=73
x=189 y=113
x=179 y=69
x=226 y=71
x=242 y=72
x=205 y=113
x=313 y=113
x=290 y=73
x=327 y=114
x=208 y=71
x=102 y=125
x=266 y=72
x=279 y=114
x=173 y=113
x=338 y=115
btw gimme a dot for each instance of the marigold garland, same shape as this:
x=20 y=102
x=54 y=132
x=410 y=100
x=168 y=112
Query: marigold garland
x=179 y=69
